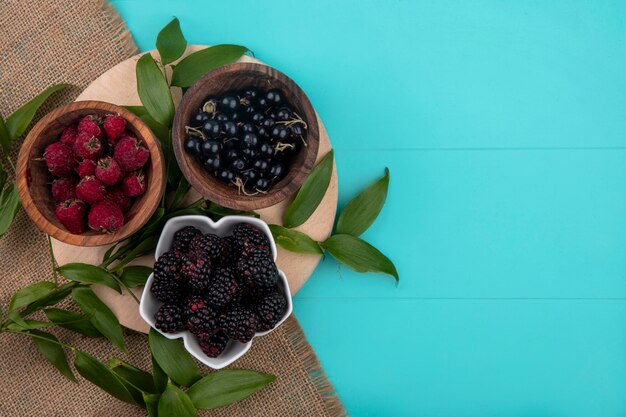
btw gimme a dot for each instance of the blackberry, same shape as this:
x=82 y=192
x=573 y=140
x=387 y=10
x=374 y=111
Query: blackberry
x=197 y=272
x=212 y=246
x=249 y=296
x=258 y=269
x=201 y=319
x=169 y=318
x=183 y=237
x=214 y=345
x=168 y=290
x=270 y=310
x=240 y=324
x=223 y=287
x=245 y=234
x=167 y=266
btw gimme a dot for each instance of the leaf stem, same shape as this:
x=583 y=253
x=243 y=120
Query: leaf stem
x=126 y=287
x=64 y=345
x=53 y=261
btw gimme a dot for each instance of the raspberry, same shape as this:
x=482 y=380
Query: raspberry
x=90 y=190
x=201 y=319
x=183 y=237
x=71 y=214
x=105 y=217
x=130 y=154
x=240 y=324
x=87 y=146
x=114 y=127
x=245 y=235
x=134 y=184
x=117 y=197
x=222 y=287
x=270 y=310
x=89 y=125
x=63 y=188
x=258 y=269
x=214 y=345
x=169 y=318
x=69 y=136
x=213 y=246
x=108 y=171
x=59 y=159
x=197 y=271
x=86 y=167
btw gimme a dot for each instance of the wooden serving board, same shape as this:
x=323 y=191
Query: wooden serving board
x=119 y=86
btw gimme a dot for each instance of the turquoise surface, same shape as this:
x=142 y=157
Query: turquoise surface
x=504 y=127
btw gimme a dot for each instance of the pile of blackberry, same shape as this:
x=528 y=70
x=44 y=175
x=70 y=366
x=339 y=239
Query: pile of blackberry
x=247 y=138
x=218 y=288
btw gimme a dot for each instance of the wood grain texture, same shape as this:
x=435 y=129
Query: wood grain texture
x=239 y=76
x=119 y=85
x=33 y=178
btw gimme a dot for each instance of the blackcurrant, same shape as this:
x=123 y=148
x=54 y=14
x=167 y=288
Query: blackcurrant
x=276 y=170
x=231 y=154
x=268 y=123
x=283 y=114
x=221 y=117
x=257 y=118
x=274 y=97
x=199 y=119
x=192 y=145
x=262 y=184
x=249 y=153
x=280 y=132
x=211 y=128
x=211 y=147
x=250 y=140
x=249 y=176
x=260 y=165
x=297 y=129
x=228 y=104
x=263 y=132
x=266 y=149
x=238 y=165
x=248 y=128
x=262 y=103
x=229 y=128
x=225 y=175
x=213 y=163
x=250 y=92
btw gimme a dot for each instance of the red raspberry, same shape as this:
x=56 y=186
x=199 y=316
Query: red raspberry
x=114 y=127
x=130 y=154
x=89 y=124
x=134 y=184
x=71 y=214
x=87 y=146
x=108 y=171
x=63 y=189
x=90 y=190
x=59 y=159
x=105 y=217
x=117 y=197
x=69 y=135
x=86 y=167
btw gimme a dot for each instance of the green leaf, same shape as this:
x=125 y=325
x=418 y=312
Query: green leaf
x=26 y=296
x=363 y=209
x=194 y=66
x=88 y=274
x=217 y=212
x=153 y=90
x=152 y=403
x=180 y=193
x=162 y=132
x=171 y=43
x=9 y=206
x=3 y=177
x=28 y=325
x=144 y=247
x=58 y=294
x=5 y=140
x=17 y=123
x=97 y=373
x=310 y=194
x=359 y=255
x=134 y=276
x=138 y=378
x=100 y=315
x=225 y=387
x=53 y=352
x=159 y=376
x=295 y=241
x=175 y=402
x=75 y=322
x=173 y=359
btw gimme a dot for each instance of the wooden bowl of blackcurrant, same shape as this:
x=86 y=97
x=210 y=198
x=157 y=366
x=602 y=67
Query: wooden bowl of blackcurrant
x=245 y=136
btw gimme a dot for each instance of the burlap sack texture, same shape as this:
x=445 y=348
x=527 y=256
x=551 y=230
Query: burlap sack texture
x=42 y=43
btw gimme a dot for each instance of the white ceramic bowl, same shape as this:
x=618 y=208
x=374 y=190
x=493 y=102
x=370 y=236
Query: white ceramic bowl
x=149 y=304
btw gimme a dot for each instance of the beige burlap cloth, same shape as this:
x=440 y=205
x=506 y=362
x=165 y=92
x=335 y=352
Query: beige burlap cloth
x=42 y=43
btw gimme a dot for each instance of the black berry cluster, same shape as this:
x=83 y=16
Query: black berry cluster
x=246 y=138
x=218 y=288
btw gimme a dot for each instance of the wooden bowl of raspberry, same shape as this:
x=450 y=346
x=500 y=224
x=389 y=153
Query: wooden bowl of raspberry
x=90 y=173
